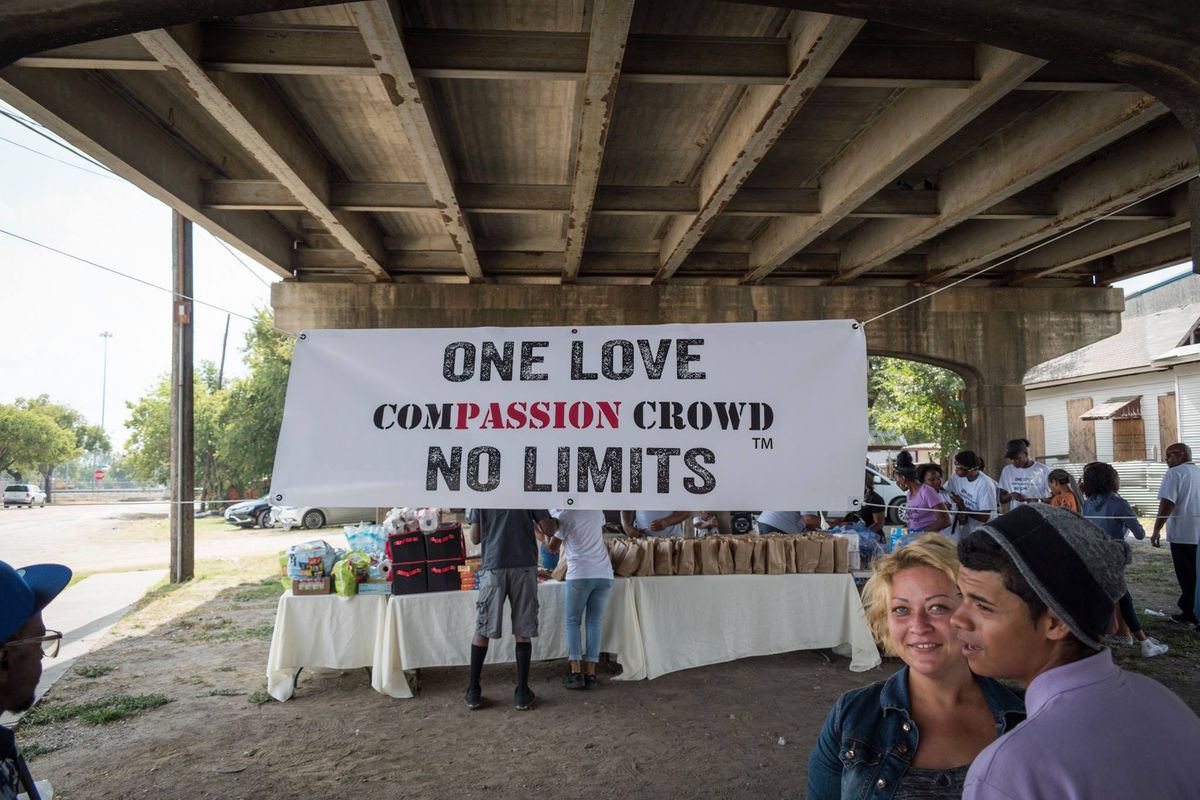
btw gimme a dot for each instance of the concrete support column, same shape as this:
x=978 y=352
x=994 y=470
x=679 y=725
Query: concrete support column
x=995 y=414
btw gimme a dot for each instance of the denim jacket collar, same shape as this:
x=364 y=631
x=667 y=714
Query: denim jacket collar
x=1007 y=708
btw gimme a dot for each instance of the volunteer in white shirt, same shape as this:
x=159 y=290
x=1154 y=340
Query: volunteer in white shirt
x=580 y=535
x=1179 y=510
x=1023 y=480
x=973 y=492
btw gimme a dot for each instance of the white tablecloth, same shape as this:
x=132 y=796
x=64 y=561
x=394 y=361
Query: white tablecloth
x=322 y=631
x=709 y=619
x=434 y=630
x=653 y=625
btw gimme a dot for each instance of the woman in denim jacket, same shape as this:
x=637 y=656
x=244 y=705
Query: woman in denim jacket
x=915 y=734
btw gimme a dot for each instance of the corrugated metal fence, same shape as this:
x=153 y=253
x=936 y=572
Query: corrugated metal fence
x=1139 y=482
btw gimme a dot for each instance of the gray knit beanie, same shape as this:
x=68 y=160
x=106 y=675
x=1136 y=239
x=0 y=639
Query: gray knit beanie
x=1076 y=569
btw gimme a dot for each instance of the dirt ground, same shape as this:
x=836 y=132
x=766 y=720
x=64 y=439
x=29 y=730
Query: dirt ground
x=186 y=670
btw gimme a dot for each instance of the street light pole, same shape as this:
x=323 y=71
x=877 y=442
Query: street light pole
x=104 y=380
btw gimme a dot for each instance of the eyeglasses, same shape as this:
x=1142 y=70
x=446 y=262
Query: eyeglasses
x=49 y=643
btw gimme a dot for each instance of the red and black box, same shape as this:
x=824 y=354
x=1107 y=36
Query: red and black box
x=410 y=578
x=446 y=543
x=444 y=575
x=406 y=547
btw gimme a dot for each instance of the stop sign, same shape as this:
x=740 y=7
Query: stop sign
x=98 y=474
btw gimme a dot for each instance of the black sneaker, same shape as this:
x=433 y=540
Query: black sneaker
x=573 y=680
x=523 y=698
x=474 y=697
x=590 y=682
x=1183 y=619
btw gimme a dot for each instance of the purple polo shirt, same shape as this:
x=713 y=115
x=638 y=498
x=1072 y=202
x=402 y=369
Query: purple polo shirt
x=1093 y=732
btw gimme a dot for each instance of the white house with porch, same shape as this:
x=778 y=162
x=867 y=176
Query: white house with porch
x=1124 y=398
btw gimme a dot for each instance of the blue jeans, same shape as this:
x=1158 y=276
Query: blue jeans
x=590 y=595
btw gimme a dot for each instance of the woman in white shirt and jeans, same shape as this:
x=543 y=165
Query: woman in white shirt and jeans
x=580 y=535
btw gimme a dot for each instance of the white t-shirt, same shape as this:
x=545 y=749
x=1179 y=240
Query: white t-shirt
x=582 y=535
x=1181 y=485
x=978 y=495
x=1031 y=481
x=642 y=519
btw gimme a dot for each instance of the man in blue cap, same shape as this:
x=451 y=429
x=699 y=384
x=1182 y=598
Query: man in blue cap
x=24 y=640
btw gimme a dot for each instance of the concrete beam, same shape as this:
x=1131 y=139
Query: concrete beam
x=919 y=121
x=478 y=198
x=816 y=42
x=606 y=49
x=1131 y=171
x=1094 y=243
x=1165 y=252
x=380 y=29
x=1065 y=130
x=258 y=121
x=82 y=110
x=529 y=55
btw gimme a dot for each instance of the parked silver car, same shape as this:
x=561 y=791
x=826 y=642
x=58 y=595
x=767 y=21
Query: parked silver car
x=24 y=494
x=289 y=517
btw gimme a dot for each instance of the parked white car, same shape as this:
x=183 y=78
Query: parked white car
x=310 y=517
x=24 y=494
x=892 y=495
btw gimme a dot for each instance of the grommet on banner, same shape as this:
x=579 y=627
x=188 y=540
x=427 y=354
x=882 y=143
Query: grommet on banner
x=304 y=336
x=855 y=326
x=574 y=330
x=570 y=502
x=279 y=497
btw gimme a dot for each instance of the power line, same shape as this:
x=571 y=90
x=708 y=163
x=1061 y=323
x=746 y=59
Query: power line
x=29 y=124
x=1027 y=250
x=60 y=161
x=168 y=290
x=238 y=258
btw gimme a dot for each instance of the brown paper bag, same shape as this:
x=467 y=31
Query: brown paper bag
x=790 y=549
x=630 y=555
x=616 y=550
x=646 y=567
x=841 y=554
x=685 y=557
x=825 y=562
x=808 y=553
x=560 y=569
x=743 y=555
x=725 y=556
x=710 y=550
x=759 y=564
x=664 y=562
x=776 y=555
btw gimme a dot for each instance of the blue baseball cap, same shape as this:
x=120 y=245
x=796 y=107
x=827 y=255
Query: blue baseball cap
x=26 y=591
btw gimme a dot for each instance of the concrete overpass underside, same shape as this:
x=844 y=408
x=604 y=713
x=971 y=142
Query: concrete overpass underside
x=424 y=163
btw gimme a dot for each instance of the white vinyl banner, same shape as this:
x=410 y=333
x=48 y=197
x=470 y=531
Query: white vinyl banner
x=767 y=415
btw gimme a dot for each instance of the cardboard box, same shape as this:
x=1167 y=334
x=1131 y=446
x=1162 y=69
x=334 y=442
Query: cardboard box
x=375 y=587
x=311 y=586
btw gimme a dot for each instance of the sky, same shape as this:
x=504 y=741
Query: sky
x=53 y=308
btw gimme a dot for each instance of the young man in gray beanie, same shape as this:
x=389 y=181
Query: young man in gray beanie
x=1038 y=585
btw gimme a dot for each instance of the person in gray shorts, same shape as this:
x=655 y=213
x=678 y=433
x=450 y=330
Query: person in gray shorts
x=510 y=558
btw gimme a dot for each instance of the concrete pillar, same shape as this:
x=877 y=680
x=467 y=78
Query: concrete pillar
x=995 y=414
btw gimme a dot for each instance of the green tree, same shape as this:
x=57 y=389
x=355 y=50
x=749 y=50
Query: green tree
x=29 y=438
x=919 y=401
x=87 y=438
x=254 y=412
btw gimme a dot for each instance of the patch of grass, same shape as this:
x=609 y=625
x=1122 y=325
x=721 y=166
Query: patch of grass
x=266 y=589
x=217 y=624
x=96 y=712
x=259 y=697
x=225 y=693
x=225 y=668
x=226 y=633
x=93 y=670
x=34 y=749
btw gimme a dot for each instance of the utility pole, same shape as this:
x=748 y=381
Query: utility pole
x=182 y=514
x=224 y=343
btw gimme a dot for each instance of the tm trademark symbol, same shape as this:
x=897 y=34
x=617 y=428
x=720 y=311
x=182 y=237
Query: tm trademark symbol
x=763 y=442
